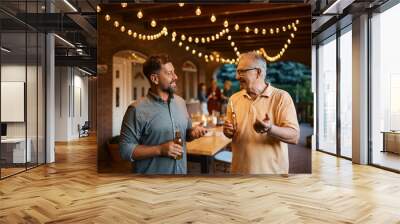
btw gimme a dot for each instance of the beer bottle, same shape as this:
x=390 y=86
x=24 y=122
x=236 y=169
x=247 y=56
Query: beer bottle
x=178 y=140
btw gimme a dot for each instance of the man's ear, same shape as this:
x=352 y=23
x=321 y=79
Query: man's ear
x=154 y=79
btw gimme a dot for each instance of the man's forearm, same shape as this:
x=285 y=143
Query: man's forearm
x=144 y=152
x=284 y=134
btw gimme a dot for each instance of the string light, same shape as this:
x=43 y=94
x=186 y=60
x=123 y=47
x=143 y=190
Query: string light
x=124 y=4
x=98 y=8
x=205 y=39
x=226 y=24
x=153 y=23
x=198 y=11
x=140 y=36
x=272 y=31
x=213 y=18
x=181 y=4
x=139 y=14
x=262 y=51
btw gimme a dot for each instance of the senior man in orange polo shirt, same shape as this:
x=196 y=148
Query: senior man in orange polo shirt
x=261 y=120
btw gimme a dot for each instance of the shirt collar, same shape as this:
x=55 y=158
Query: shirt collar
x=157 y=97
x=266 y=93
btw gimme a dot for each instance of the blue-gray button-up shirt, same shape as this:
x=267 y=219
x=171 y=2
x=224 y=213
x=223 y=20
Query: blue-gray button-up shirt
x=152 y=121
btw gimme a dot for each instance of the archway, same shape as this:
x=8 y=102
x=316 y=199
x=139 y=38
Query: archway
x=190 y=80
x=129 y=83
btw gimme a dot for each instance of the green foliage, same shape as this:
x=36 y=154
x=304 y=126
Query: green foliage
x=291 y=76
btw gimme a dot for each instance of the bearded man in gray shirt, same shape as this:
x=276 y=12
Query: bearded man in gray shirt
x=149 y=125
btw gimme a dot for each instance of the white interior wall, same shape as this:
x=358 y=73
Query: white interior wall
x=71 y=93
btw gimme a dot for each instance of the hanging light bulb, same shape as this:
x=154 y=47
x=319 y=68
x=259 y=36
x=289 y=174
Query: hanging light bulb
x=216 y=36
x=255 y=30
x=173 y=39
x=134 y=34
x=181 y=4
x=208 y=39
x=211 y=58
x=285 y=45
x=153 y=23
x=187 y=48
x=212 y=38
x=140 y=36
x=139 y=14
x=226 y=24
x=107 y=17
x=213 y=19
x=297 y=21
x=283 y=28
x=190 y=39
x=277 y=30
x=203 y=40
x=271 y=31
x=98 y=8
x=289 y=41
x=199 y=54
x=129 y=32
x=235 y=48
x=232 y=43
x=183 y=38
x=198 y=11
x=193 y=51
x=116 y=23
x=180 y=44
x=229 y=37
x=227 y=30
x=295 y=28
x=236 y=27
x=264 y=31
x=247 y=29
x=122 y=28
x=292 y=35
x=289 y=26
x=124 y=4
x=196 y=40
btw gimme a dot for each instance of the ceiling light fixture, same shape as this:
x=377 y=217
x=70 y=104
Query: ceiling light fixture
x=70 y=5
x=65 y=41
x=5 y=50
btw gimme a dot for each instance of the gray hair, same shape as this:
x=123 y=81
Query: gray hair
x=257 y=59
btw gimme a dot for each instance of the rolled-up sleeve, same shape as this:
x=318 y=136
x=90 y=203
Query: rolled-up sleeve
x=130 y=133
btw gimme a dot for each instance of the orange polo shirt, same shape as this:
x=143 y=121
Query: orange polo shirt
x=255 y=153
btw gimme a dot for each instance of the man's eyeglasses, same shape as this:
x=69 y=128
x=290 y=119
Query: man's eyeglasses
x=240 y=72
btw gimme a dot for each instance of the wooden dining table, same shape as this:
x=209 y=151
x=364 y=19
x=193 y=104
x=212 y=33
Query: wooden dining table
x=203 y=149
